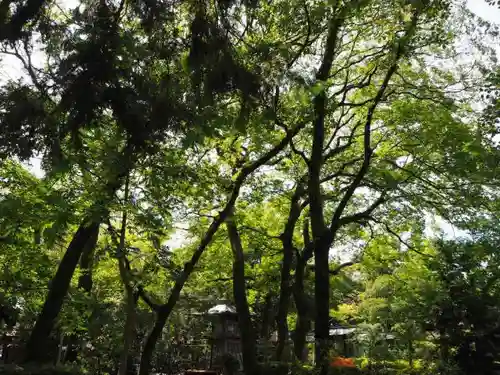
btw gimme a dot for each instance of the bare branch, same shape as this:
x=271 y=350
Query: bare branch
x=259 y=231
x=401 y=240
x=299 y=152
x=363 y=215
x=341 y=170
x=147 y=299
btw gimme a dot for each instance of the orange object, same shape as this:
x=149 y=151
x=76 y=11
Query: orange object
x=343 y=362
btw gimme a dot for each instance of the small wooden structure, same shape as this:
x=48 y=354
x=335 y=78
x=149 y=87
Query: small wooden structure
x=225 y=339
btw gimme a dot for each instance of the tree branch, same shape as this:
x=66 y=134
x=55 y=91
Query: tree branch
x=259 y=231
x=363 y=215
x=400 y=49
x=336 y=271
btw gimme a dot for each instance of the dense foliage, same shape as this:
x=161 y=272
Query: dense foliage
x=287 y=158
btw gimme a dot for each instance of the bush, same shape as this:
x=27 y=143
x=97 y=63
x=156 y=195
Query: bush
x=398 y=367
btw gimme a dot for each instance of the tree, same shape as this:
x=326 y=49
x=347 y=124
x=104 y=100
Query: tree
x=294 y=139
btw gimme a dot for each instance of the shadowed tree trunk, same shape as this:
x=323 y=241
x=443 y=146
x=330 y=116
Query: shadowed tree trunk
x=87 y=261
x=84 y=283
x=286 y=267
x=304 y=313
x=321 y=237
x=267 y=316
x=129 y=330
x=248 y=339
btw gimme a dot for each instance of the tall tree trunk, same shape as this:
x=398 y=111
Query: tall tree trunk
x=322 y=303
x=61 y=281
x=84 y=283
x=87 y=261
x=153 y=337
x=286 y=267
x=248 y=342
x=267 y=316
x=303 y=322
x=129 y=330
x=324 y=237
x=319 y=229
x=57 y=292
x=130 y=297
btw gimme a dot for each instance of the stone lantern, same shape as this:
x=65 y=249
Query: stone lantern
x=225 y=341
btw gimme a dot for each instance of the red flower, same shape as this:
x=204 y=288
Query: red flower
x=343 y=362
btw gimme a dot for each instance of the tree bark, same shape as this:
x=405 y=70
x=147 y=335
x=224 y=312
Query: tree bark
x=267 y=316
x=248 y=342
x=322 y=303
x=87 y=261
x=84 y=283
x=153 y=337
x=303 y=323
x=286 y=267
x=130 y=297
x=129 y=330
x=323 y=236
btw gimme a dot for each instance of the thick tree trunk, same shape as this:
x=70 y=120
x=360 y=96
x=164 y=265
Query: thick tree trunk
x=129 y=330
x=87 y=261
x=57 y=292
x=152 y=339
x=84 y=283
x=248 y=342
